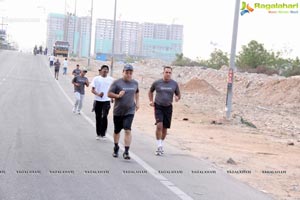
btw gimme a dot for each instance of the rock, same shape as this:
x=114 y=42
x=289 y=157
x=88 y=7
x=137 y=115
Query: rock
x=185 y=119
x=291 y=143
x=231 y=161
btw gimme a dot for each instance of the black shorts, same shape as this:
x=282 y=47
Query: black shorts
x=123 y=122
x=51 y=63
x=163 y=114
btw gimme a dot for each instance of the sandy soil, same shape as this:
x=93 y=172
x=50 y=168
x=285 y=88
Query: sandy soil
x=268 y=153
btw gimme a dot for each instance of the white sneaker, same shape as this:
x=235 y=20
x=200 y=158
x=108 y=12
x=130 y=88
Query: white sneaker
x=103 y=137
x=74 y=110
x=159 y=151
x=97 y=137
x=162 y=150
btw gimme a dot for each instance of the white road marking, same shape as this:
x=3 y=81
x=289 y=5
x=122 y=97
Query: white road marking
x=163 y=180
x=10 y=70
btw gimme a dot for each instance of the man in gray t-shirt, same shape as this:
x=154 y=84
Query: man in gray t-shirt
x=165 y=89
x=79 y=83
x=125 y=91
x=76 y=71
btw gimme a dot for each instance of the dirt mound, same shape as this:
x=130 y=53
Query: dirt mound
x=199 y=86
x=285 y=91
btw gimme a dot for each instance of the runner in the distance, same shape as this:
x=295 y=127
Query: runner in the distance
x=76 y=71
x=79 y=83
x=125 y=91
x=165 y=89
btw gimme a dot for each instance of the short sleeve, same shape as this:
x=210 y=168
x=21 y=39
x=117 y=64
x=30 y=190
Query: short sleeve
x=113 y=87
x=152 y=88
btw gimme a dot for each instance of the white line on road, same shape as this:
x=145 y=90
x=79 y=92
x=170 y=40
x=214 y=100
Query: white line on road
x=163 y=180
x=10 y=70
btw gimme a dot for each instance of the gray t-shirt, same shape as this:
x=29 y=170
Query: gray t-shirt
x=56 y=65
x=126 y=104
x=76 y=72
x=81 y=80
x=164 y=91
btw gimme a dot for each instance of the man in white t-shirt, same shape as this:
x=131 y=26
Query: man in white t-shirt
x=51 y=59
x=65 y=66
x=100 y=86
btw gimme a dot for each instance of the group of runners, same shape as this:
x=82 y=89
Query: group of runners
x=124 y=94
x=56 y=63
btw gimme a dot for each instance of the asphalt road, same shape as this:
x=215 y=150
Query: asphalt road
x=47 y=152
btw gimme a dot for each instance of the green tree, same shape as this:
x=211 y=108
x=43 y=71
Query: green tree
x=217 y=59
x=181 y=60
x=252 y=55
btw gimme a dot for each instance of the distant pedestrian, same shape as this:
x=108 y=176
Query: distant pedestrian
x=165 y=89
x=41 y=50
x=100 y=86
x=125 y=91
x=76 y=71
x=65 y=66
x=51 y=59
x=56 y=68
x=79 y=83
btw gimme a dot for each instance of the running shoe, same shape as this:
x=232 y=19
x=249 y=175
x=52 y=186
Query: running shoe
x=116 y=152
x=159 y=151
x=126 y=156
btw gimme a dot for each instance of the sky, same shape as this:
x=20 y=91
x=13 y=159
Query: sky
x=208 y=24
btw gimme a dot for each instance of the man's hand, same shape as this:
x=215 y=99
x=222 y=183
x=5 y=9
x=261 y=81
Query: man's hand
x=101 y=94
x=121 y=93
x=177 y=98
x=137 y=106
x=151 y=103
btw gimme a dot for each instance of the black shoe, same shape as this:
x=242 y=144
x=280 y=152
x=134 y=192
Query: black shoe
x=116 y=152
x=126 y=156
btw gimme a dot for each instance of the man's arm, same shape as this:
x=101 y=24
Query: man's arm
x=97 y=94
x=137 y=100
x=87 y=83
x=116 y=96
x=150 y=95
x=177 y=94
x=112 y=94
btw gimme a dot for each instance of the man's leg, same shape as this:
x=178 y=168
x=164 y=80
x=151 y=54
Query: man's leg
x=80 y=103
x=158 y=112
x=77 y=99
x=104 y=113
x=166 y=124
x=128 y=137
x=98 y=118
x=159 y=133
x=118 y=123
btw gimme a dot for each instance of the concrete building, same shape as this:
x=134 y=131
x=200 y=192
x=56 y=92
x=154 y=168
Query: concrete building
x=161 y=40
x=75 y=30
x=103 y=36
x=150 y=40
x=55 y=29
x=83 y=36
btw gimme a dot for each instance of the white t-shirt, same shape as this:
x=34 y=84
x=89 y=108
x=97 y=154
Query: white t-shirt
x=65 y=63
x=51 y=58
x=102 y=84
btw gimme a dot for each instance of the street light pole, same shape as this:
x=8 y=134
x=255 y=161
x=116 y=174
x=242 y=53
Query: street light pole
x=113 y=41
x=232 y=60
x=89 y=54
x=74 y=30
